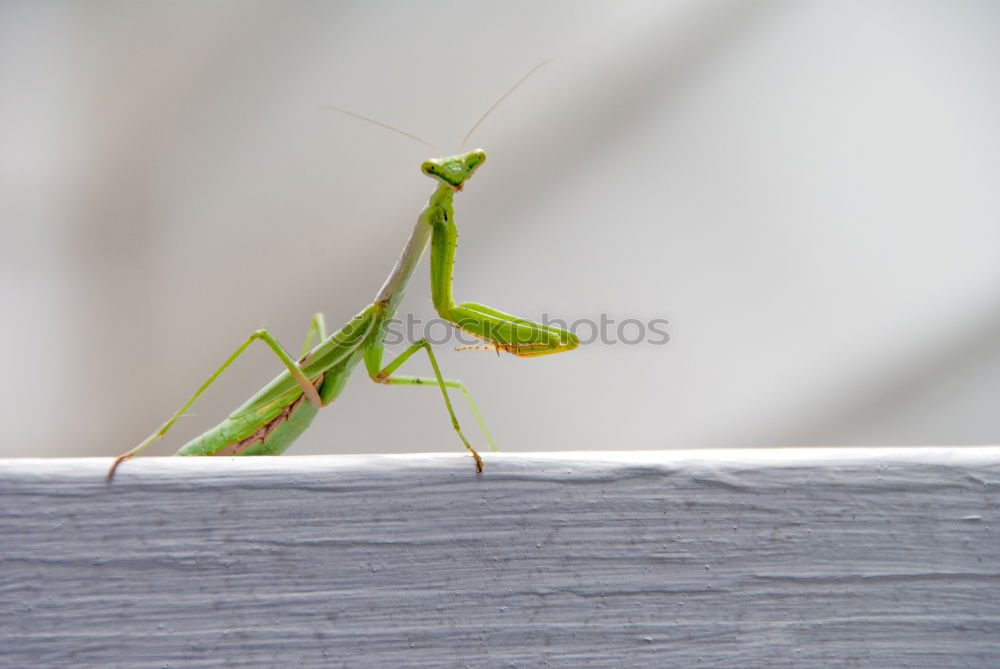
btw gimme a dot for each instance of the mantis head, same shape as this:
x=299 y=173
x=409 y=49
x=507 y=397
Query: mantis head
x=454 y=170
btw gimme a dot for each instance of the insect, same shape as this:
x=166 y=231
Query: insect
x=268 y=422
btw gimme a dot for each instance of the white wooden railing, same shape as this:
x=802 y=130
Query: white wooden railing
x=739 y=558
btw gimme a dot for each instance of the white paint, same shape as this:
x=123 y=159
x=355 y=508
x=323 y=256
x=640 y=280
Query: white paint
x=777 y=558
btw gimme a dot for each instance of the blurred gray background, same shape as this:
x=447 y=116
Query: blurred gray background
x=807 y=191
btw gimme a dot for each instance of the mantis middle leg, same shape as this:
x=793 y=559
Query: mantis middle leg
x=385 y=375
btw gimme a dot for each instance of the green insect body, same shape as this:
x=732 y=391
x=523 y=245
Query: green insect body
x=272 y=419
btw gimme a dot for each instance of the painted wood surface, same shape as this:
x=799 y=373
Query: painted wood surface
x=740 y=558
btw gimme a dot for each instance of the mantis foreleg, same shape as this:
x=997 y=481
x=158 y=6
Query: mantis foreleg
x=503 y=331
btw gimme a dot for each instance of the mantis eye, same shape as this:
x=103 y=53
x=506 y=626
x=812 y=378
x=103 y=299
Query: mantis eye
x=473 y=160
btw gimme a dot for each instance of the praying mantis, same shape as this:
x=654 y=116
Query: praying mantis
x=268 y=422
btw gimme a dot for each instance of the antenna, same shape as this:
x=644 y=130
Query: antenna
x=503 y=97
x=387 y=126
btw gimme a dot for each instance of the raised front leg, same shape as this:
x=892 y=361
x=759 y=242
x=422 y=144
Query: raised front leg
x=504 y=331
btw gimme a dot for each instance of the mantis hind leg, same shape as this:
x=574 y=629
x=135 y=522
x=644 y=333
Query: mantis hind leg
x=317 y=329
x=307 y=387
x=385 y=375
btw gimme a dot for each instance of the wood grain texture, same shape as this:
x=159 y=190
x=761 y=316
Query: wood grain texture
x=741 y=558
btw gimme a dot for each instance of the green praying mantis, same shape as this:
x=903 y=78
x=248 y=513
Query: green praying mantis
x=268 y=422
